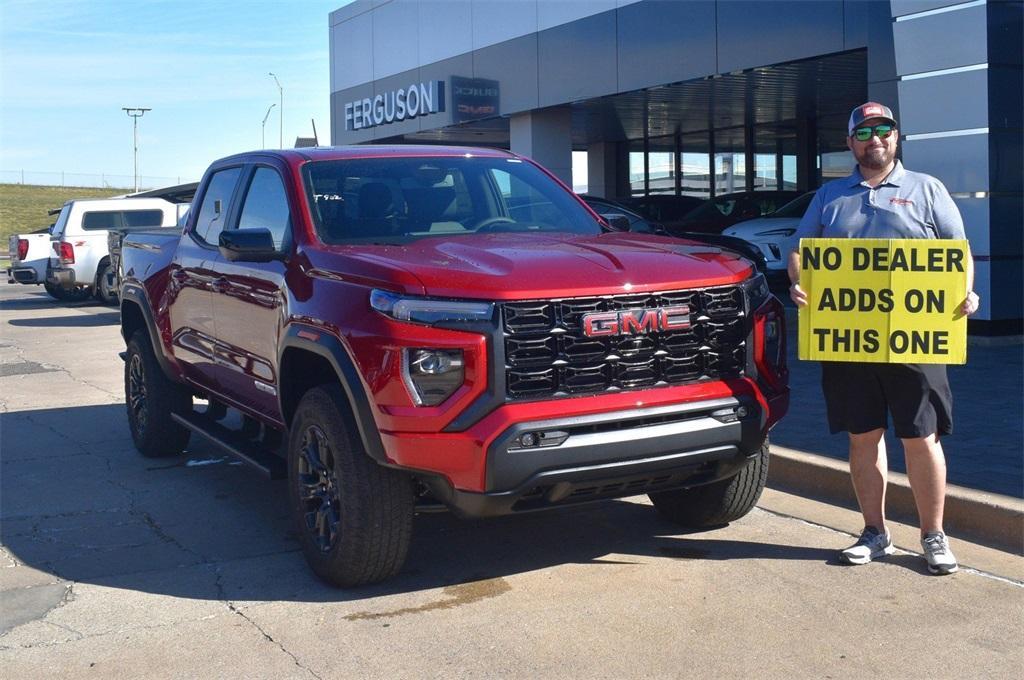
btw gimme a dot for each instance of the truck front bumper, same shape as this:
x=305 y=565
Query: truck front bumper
x=536 y=464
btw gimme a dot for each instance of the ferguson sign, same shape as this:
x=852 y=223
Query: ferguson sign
x=396 y=105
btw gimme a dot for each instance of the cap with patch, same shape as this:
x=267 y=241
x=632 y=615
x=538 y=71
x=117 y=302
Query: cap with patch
x=867 y=111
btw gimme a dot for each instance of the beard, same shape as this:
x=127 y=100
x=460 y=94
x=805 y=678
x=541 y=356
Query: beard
x=875 y=158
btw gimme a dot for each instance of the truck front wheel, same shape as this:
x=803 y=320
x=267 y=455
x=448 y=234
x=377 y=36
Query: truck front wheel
x=717 y=503
x=353 y=516
x=150 y=398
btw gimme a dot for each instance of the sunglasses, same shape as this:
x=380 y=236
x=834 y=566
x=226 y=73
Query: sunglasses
x=863 y=134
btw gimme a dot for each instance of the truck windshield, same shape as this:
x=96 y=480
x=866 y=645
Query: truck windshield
x=396 y=199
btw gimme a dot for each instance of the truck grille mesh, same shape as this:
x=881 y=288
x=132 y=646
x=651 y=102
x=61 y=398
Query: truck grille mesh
x=547 y=354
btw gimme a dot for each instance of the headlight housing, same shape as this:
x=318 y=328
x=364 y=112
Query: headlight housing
x=756 y=290
x=787 y=231
x=432 y=375
x=429 y=311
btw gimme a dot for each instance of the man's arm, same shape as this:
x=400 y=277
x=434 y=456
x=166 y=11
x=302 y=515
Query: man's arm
x=949 y=224
x=810 y=227
x=796 y=293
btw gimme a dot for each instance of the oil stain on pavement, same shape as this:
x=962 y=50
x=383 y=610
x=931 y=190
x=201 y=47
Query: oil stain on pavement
x=457 y=596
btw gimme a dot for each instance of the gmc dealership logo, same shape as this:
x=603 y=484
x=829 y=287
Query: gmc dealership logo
x=636 y=321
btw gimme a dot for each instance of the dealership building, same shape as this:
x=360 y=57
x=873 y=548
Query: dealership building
x=705 y=97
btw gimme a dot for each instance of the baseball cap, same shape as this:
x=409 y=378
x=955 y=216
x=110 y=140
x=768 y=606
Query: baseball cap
x=867 y=111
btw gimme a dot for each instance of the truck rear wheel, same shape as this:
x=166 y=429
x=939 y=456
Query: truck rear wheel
x=353 y=516
x=150 y=398
x=719 y=502
x=105 y=292
x=56 y=292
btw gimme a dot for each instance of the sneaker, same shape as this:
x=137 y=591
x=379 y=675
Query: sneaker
x=936 y=550
x=871 y=545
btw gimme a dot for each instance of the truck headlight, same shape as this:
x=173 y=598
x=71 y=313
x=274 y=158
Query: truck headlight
x=432 y=375
x=756 y=291
x=429 y=311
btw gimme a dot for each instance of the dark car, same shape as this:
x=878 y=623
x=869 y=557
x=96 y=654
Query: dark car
x=714 y=215
x=638 y=224
x=662 y=208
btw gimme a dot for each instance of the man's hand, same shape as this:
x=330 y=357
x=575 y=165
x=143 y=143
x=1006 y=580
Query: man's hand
x=970 y=304
x=797 y=295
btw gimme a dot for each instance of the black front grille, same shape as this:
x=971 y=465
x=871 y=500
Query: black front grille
x=547 y=354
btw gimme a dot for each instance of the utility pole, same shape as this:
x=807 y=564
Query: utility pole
x=280 y=111
x=135 y=114
x=263 y=129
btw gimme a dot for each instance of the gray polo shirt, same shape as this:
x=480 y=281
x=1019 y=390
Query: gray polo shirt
x=904 y=205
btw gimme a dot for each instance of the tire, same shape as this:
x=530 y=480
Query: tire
x=353 y=516
x=56 y=292
x=717 y=503
x=105 y=292
x=76 y=295
x=150 y=399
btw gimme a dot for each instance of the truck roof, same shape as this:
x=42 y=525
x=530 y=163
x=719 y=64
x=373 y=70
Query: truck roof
x=330 y=153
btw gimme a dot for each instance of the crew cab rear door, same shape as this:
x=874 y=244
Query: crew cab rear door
x=249 y=298
x=192 y=278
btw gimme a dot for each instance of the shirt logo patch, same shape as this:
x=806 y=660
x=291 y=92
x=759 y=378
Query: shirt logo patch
x=901 y=201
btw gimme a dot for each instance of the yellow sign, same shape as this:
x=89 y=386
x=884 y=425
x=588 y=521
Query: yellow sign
x=884 y=300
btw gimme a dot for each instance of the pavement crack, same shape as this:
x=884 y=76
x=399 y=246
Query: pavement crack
x=222 y=595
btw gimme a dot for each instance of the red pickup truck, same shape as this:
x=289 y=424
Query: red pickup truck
x=398 y=329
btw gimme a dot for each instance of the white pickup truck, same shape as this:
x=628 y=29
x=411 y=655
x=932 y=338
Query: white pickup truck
x=77 y=263
x=30 y=256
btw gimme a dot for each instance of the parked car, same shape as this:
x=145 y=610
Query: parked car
x=665 y=209
x=774 y=234
x=638 y=224
x=446 y=326
x=80 y=264
x=30 y=257
x=716 y=214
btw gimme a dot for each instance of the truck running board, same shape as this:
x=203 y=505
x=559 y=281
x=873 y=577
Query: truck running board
x=233 y=442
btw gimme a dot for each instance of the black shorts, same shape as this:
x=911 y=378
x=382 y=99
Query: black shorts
x=859 y=397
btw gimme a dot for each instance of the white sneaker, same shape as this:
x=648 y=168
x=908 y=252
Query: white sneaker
x=936 y=550
x=871 y=545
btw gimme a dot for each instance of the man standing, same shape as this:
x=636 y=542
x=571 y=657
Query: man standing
x=880 y=199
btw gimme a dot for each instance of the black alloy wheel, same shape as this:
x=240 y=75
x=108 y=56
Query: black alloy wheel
x=353 y=516
x=136 y=393
x=318 y=488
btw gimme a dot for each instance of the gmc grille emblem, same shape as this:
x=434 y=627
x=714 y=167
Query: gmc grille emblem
x=636 y=321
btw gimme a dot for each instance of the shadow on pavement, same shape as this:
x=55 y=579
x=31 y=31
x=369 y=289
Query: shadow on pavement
x=78 y=321
x=78 y=501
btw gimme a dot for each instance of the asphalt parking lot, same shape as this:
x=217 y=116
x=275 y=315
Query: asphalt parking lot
x=113 y=565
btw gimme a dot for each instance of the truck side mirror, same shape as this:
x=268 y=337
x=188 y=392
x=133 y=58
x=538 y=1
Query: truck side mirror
x=248 y=245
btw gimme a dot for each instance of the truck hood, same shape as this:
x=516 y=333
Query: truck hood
x=523 y=266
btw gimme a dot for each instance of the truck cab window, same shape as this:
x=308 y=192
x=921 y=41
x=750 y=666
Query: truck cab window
x=214 y=210
x=266 y=206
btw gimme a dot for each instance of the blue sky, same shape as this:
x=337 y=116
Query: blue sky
x=68 y=66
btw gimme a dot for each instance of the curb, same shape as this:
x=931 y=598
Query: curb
x=985 y=518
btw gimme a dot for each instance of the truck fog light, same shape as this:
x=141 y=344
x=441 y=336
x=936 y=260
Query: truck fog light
x=432 y=375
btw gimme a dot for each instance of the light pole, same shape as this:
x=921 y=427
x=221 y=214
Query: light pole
x=280 y=112
x=263 y=129
x=135 y=114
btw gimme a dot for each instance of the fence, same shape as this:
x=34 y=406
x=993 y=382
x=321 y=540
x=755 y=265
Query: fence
x=60 y=178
